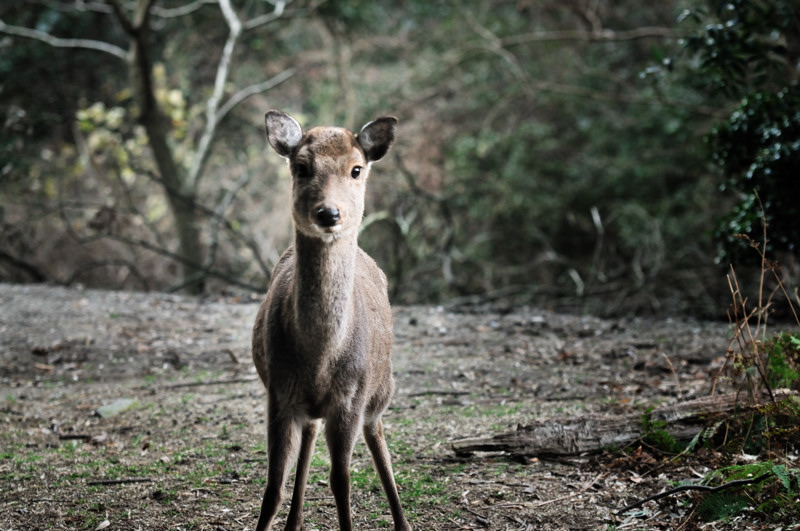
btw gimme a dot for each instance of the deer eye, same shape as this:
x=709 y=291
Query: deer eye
x=355 y=173
x=301 y=171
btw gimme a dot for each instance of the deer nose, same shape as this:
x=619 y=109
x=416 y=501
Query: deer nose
x=327 y=217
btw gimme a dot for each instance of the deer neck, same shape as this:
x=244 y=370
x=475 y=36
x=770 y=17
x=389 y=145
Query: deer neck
x=323 y=290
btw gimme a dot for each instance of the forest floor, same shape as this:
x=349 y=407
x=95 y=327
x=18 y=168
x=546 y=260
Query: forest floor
x=187 y=449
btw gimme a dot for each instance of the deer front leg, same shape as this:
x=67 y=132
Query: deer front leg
x=376 y=442
x=295 y=520
x=340 y=434
x=282 y=435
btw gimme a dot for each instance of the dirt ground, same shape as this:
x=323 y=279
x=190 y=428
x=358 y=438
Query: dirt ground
x=187 y=451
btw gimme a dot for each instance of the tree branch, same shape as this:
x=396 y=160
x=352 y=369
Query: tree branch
x=280 y=12
x=19 y=263
x=122 y=18
x=191 y=7
x=216 y=113
x=223 y=71
x=252 y=90
x=216 y=216
x=128 y=264
x=592 y=36
x=86 y=44
x=280 y=6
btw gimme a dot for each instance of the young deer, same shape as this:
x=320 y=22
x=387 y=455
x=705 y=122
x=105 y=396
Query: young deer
x=323 y=336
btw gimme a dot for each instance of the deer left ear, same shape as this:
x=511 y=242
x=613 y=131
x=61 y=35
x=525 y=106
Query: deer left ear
x=377 y=137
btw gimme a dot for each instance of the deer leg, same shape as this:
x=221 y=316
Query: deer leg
x=376 y=442
x=341 y=438
x=295 y=520
x=282 y=435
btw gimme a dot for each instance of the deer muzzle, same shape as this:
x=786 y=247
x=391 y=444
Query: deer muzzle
x=327 y=217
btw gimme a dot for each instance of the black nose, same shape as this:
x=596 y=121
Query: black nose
x=327 y=217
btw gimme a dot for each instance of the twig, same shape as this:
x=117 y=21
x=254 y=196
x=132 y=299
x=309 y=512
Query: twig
x=438 y=393
x=674 y=375
x=482 y=520
x=703 y=488
x=118 y=481
x=212 y=382
x=573 y=494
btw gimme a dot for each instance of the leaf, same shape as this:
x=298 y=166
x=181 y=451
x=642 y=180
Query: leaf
x=116 y=407
x=783 y=474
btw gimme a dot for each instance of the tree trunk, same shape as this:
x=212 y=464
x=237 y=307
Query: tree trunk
x=190 y=249
x=180 y=197
x=592 y=433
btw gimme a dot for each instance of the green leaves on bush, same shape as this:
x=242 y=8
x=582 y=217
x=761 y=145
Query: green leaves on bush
x=747 y=52
x=758 y=150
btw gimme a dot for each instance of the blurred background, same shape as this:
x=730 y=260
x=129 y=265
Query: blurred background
x=607 y=157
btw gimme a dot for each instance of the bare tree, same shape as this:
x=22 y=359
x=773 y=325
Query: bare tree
x=179 y=183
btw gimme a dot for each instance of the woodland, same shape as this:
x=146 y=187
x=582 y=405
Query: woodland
x=587 y=222
x=588 y=155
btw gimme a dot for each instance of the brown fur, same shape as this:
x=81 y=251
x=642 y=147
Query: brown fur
x=322 y=339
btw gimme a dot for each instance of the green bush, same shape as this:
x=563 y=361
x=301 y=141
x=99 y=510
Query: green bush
x=746 y=52
x=758 y=149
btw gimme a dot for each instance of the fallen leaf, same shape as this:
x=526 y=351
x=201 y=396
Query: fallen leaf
x=116 y=407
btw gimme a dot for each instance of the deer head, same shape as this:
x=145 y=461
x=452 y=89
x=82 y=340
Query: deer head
x=330 y=167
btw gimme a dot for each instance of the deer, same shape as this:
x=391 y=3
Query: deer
x=323 y=334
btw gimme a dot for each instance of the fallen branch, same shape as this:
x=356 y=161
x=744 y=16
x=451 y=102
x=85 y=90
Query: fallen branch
x=703 y=488
x=592 y=433
x=122 y=481
x=210 y=382
x=438 y=393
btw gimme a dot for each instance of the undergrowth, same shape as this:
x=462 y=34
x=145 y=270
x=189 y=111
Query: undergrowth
x=765 y=370
x=755 y=449
x=774 y=498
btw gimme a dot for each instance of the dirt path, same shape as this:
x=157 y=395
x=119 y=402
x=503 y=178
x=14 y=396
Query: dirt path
x=188 y=451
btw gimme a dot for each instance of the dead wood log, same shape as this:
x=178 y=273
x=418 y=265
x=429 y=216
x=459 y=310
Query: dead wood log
x=592 y=433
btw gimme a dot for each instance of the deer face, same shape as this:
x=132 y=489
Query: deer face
x=329 y=166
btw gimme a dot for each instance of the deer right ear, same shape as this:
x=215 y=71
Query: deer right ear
x=283 y=132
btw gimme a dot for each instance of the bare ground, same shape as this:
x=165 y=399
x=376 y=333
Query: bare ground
x=188 y=453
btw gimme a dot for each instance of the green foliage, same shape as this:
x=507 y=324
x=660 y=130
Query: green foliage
x=571 y=195
x=747 y=50
x=782 y=421
x=783 y=353
x=773 y=497
x=33 y=122
x=721 y=505
x=758 y=150
x=352 y=14
x=742 y=44
x=655 y=434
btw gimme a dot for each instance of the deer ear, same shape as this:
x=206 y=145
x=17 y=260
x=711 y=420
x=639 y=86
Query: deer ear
x=283 y=132
x=377 y=137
